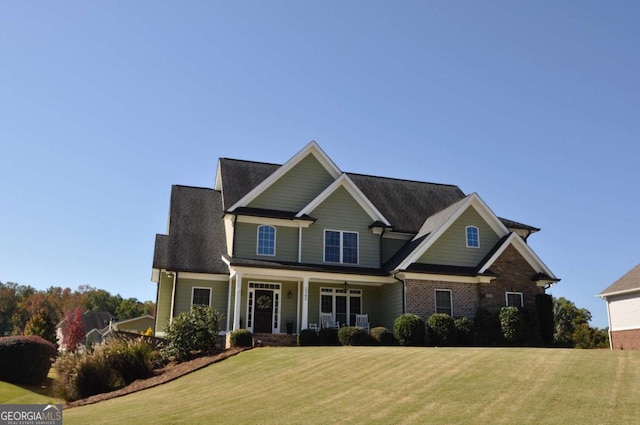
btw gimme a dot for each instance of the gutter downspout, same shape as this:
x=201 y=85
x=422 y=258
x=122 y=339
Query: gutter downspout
x=404 y=293
x=173 y=297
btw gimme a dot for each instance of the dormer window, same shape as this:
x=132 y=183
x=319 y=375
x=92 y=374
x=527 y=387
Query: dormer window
x=473 y=237
x=266 y=240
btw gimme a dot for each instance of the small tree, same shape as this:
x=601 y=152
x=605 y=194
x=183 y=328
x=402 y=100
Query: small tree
x=194 y=331
x=73 y=330
x=41 y=325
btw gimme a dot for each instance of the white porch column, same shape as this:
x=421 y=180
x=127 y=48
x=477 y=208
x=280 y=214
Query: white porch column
x=305 y=303
x=236 y=307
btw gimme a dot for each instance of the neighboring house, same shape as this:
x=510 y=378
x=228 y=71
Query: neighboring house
x=271 y=244
x=135 y=325
x=623 y=310
x=96 y=324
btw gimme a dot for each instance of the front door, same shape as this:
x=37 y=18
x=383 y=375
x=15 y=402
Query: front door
x=263 y=321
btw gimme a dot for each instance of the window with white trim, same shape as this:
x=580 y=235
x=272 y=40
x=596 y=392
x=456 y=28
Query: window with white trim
x=342 y=304
x=340 y=247
x=444 y=301
x=201 y=296
x=514 y=299
x=473 y=237
x=266 y=240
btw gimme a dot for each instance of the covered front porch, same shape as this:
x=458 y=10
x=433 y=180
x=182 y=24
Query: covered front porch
x=285 y=301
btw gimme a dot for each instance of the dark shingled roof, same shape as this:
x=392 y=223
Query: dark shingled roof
x=406 y=203
x=196 y=239
x=330 y=268
x=240 y=177
x=628 y=282
x=515 y=225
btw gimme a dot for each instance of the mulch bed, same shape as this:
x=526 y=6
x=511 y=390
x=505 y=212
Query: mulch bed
x=161 y=376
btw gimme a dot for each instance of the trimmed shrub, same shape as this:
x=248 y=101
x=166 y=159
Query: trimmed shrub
x=464 y=330
x=241 y=338
x=512 y=324
x=25 y=359
x=353 y=335
x=487 y=327
x=131 y=359
x=307 y=337
x=409 y=330
x=191 y=332
x=382 y=336
x=442 y=329
x=328 y=336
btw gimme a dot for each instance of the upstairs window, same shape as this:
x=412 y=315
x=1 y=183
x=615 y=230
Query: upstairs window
x=340 y=247
x=444 y=301
x=201 y=296
x=514 y=299
x=473 y=237
x=266 y=240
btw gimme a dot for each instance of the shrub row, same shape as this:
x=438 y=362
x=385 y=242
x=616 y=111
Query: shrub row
x=347 y=335
x=105 y=368
x=25 y=359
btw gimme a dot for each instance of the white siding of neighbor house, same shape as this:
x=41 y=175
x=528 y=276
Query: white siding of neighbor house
x=624 y=311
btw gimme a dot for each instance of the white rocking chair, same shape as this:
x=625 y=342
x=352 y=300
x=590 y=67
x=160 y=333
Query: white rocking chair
x=362 y=320
x=326 y=321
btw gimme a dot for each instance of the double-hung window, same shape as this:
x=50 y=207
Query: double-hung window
x=266 y=240
x=473 y=237
x=201 y=296
x=514 y=299
x=340 y=247
x=444 y=301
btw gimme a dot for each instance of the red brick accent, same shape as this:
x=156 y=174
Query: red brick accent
x=514 y=275
x=420 y=296
x=626 y=340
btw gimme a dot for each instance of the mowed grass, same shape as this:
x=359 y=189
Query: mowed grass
x=26 y=394
x=391 y=385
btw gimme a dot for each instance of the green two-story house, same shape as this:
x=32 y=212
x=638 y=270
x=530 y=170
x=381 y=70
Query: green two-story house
x=272 y=246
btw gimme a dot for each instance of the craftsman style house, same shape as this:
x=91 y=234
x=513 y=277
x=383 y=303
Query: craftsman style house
x=623 y=310
x=273 y=246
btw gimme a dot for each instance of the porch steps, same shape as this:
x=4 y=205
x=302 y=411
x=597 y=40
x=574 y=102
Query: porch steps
x=275 y=340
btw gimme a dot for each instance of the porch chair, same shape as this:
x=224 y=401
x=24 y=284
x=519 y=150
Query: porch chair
x=326 y=321
x=362 y=320
x=314 y=327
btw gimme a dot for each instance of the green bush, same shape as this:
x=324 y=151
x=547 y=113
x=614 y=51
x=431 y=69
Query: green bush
x=84 y=375
x=25 y=359
x=409 y=330
x=241 y=338
x=464 y=330
x=487 y=327
x=353 y=335
x=191 y=332
x=382 y=336
x=328 y=336
x=131 y=359
x=442 y=329
x=308 y=337
x=512 y=324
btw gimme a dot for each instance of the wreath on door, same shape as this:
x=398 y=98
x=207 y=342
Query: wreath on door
x=264 y=302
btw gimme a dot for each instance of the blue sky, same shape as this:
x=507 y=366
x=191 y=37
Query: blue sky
x=104 y=105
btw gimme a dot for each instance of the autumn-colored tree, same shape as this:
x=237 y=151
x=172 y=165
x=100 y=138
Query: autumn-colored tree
x=73 y=330
x=41 y=324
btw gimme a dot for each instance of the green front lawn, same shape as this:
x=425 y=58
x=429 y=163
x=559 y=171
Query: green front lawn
x=391 y=385
x=22 y=394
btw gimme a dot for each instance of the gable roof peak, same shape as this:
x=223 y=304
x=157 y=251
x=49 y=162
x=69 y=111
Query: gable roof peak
x=312 y=148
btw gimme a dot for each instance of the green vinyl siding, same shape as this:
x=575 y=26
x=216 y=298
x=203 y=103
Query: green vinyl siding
x=247 y=241
x=296 y=188
x=163 y=309
x=219 y=295
x=389 y=305
x=340 y=212
x=139 y=325
x=390 y=247
x=451 y=248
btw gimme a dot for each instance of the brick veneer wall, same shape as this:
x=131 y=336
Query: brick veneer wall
x=420 y=297
x=626 y=340
x=514 y=275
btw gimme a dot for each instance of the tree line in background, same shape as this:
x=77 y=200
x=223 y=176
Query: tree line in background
x=571 y=327
x=27 y=311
